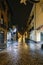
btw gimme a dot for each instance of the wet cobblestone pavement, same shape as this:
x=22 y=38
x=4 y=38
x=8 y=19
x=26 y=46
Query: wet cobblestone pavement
x=21 y=55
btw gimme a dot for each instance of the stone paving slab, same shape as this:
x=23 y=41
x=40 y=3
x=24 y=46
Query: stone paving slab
x=20 y=55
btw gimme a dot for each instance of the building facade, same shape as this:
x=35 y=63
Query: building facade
x=35 y=22
x=3 y=23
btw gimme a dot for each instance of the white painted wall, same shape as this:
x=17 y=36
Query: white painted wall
x=38 y=36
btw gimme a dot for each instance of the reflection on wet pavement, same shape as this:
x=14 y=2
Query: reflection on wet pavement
x=23 y=54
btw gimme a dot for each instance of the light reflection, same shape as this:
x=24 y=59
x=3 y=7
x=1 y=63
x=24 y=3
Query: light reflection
x=32 y=46
x=41 y=52
x=15 y=51
x=9 y=48
x=15 y=43
x=25 y=45
x=38 y=46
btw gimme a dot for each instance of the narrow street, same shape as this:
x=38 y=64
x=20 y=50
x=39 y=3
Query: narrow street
x=21 y=32
x=21 y=54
